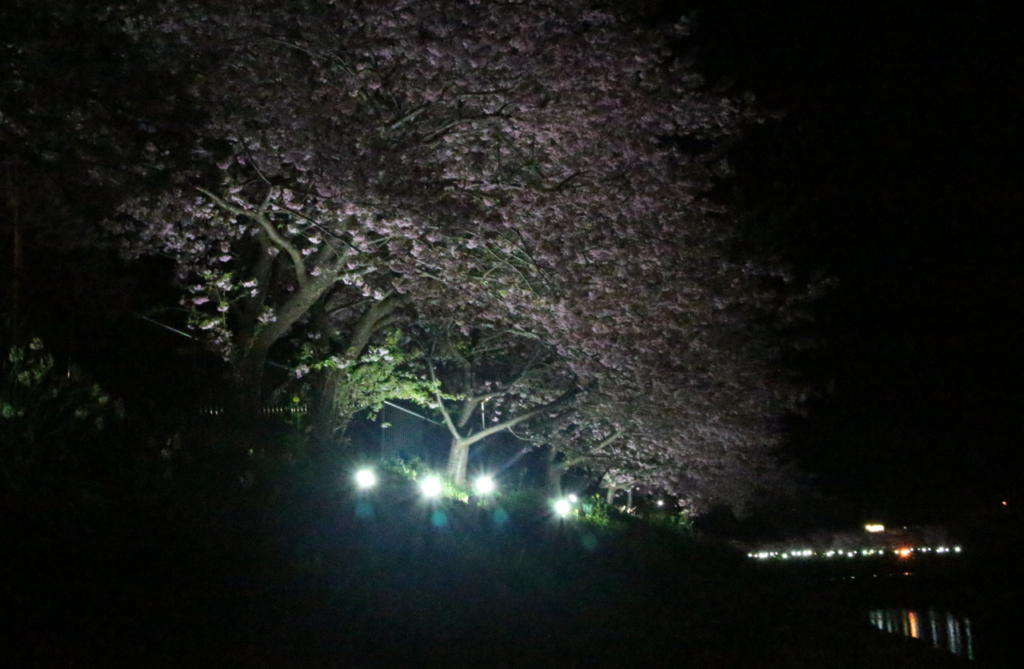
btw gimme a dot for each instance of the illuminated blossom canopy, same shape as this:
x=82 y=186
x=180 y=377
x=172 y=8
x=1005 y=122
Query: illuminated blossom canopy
x=534 y=168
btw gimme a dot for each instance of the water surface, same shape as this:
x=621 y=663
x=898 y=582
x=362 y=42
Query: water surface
x=941 y=629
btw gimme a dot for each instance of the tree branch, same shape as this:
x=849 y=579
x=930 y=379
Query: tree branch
x=370 y=323
x=408 y=116
x=440 y=403
x=293 y=309
x=565 y=398
x=260 y=218
x=591 y=452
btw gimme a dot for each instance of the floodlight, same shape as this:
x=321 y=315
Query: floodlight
x=661 y=502
x=573 y=498
x=484 y=485
x=431 y=486
x=365 y=478
x=563 y=507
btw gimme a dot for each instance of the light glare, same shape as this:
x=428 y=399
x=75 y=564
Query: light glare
x=563 y=507
x=431 y=486
x=365 y=478
x=484 y=485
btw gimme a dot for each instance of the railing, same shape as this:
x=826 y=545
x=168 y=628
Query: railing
x=286 y=410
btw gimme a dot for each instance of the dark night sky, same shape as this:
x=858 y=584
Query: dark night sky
x=898 y=171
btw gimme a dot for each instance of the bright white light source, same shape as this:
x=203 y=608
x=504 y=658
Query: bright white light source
x=563 y=507
x=365 y=478
x=874 y=527
x=573 y=498
x=431 y=486
x=661 y=502
x=484 y=485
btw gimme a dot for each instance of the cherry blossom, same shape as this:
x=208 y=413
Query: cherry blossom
x=513 y=167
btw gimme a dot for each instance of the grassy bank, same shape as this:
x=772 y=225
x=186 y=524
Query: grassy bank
x=306 y=572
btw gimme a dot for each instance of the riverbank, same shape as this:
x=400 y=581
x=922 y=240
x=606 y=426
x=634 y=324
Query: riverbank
x=315 y=576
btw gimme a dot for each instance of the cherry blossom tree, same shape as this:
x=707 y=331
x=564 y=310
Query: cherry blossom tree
x=82 y=104
x=681 y=343
x=492 y=382
x=78 y=104
x=518 y=167
x=410 y=149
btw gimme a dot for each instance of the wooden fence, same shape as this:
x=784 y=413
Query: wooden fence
x=270 y=411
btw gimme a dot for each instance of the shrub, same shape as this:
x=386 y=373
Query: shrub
x=409 y=470
x=43 y=414
x=679 y=521
x=596 y=511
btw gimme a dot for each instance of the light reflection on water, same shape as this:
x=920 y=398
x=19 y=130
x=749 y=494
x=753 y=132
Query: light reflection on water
x=940 y=628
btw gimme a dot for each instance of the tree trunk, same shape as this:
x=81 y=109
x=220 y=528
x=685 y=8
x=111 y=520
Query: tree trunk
x=248 y=391
x=610 y=498
x=324 y=413
x=553 y=471
x=322 y=407
x=458 y=459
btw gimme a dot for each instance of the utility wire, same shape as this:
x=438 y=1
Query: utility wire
x=185 y=334
x=163 y=325
x=429 y=420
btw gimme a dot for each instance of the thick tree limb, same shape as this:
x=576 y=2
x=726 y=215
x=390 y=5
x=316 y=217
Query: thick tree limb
x=371 y=322
x=260 y=218
x=440 y=402
x=596 y=449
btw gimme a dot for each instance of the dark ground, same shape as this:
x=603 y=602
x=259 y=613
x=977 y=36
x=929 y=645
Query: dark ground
x=291 y=576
